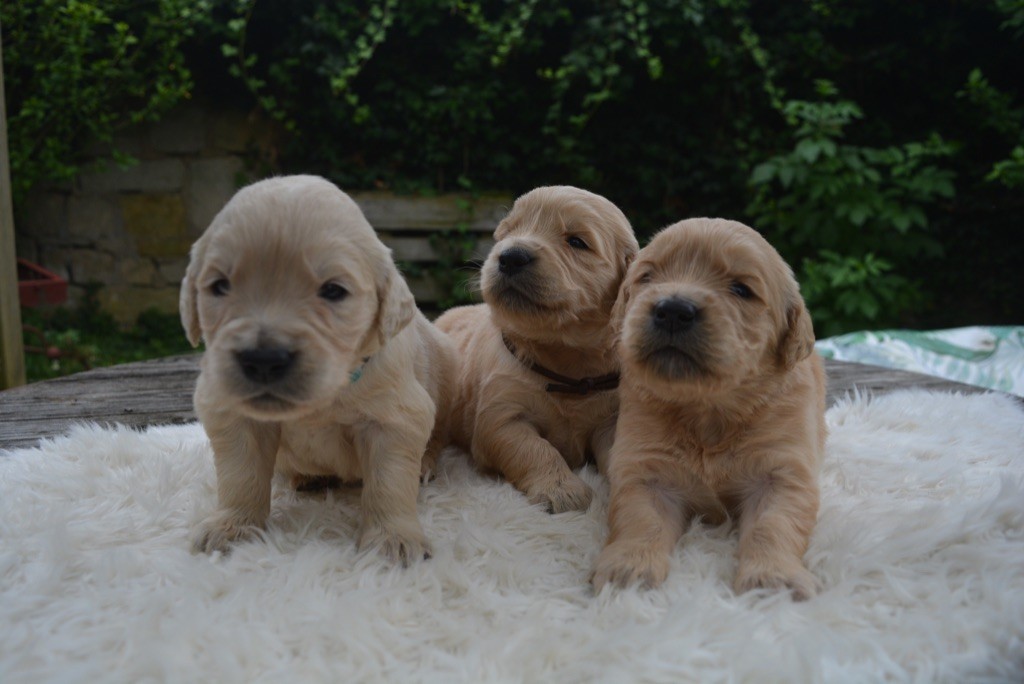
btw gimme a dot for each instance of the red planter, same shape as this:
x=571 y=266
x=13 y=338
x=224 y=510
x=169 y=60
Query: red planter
x=37 y=286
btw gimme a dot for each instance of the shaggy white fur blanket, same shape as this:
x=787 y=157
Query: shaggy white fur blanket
x=919 y=547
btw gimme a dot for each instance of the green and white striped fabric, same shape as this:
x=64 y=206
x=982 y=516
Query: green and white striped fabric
x=990 y=357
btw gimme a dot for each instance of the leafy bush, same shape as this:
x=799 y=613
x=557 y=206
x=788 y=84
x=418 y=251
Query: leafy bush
x=77 y=71
x=1001 y=116
x=671 y=108
x=850 y=214
x=60 y=340
x=886 y=200
x=851 y=293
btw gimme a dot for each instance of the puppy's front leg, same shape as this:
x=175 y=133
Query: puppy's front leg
x=390 y=457
x=244 y=452
x=778 y=513
x=530 y=463
x=645 y=517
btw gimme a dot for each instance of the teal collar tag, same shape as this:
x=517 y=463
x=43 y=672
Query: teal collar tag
x=354 y=376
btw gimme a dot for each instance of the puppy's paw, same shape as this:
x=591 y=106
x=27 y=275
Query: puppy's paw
x=222 y=529
x=558 y=495
x=797 y=579
x=405 y=547
x=622 y=564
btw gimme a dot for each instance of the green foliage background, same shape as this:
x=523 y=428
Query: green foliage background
x=76 y=72
x=878 y=145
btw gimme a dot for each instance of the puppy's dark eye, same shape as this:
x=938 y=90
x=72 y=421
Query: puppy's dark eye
x=576 y=242
x=332 y=292
x=741 y=290
x=644 y=278
x=220 y=287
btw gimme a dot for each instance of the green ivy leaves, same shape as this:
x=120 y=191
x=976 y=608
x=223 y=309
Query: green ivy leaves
x=77 y=71
x=834 y=205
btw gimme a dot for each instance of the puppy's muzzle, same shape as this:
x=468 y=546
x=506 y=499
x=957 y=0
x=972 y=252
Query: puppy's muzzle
x=513 y=260
x=673 y=343
x=266 y=365
x=674 y=315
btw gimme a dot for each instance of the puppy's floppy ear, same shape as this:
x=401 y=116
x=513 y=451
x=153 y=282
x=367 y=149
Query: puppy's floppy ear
x=797 y=339
x=627 y=253
x=618 y=314
x=395 y=303
x=626 y=256
x=625 y=241
x=188 y=306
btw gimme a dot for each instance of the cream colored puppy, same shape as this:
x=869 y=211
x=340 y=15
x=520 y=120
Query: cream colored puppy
x=317 y=364
x=536 y=390
x=723 y=405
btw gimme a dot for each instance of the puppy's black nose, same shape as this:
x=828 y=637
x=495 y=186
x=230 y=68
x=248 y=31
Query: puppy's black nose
x=513 y=260
x=674 y=315
x=265 y=365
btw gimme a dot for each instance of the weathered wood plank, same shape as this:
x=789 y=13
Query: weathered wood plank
x=419 y=249
x=845 y=377
x=159 y=392
x=154 y=392
x=407 y=224
x=388 y=211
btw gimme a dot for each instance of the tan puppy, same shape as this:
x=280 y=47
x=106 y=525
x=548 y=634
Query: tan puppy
x=318 y=362
x=549 y=284
x=723 y=404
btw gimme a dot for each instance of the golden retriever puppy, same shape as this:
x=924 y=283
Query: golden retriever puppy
x=536 y=390
x=317 y=362
x=722 y=408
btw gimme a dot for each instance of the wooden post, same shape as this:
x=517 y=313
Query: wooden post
x=12 y=352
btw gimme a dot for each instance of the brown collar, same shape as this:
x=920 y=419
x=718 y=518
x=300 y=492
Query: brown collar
x=564 y=384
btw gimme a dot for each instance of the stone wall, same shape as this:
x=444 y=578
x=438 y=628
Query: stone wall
x=130 y=228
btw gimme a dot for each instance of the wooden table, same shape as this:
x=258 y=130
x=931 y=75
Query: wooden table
x=159 y=392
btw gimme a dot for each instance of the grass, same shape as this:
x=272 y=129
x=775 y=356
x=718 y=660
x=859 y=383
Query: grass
x=60 y=341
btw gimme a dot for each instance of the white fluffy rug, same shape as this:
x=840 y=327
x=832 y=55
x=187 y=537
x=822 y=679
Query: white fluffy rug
x=919 y=546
